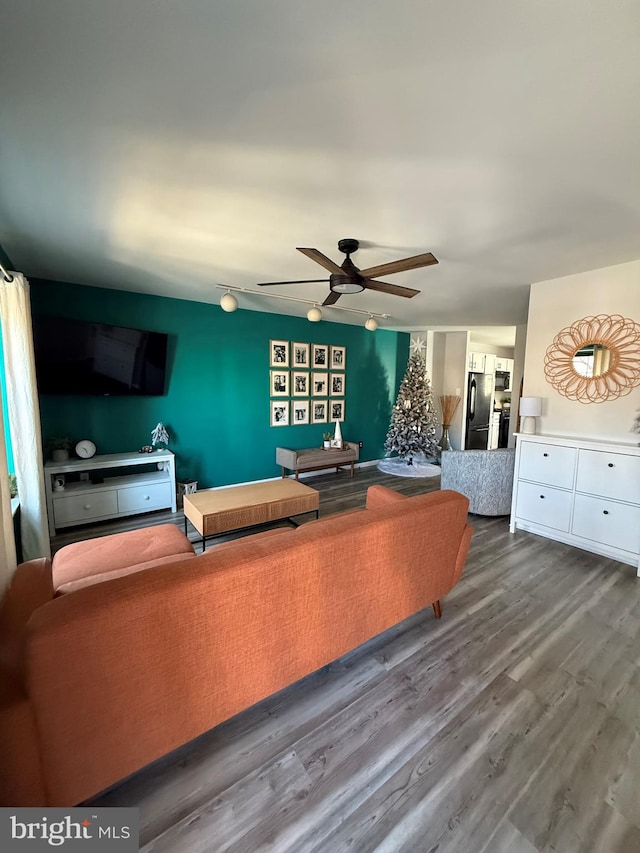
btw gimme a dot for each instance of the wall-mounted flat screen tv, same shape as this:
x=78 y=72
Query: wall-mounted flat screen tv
x=78 y=357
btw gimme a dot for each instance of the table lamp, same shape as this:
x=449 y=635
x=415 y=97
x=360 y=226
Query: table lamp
x=530 y=409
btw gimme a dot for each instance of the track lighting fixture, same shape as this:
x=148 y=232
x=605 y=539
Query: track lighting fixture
x=314 y=315
x=371 y=324
x=228 y=302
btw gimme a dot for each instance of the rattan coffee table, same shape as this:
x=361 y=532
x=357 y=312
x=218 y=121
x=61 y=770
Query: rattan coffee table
x=216 y=511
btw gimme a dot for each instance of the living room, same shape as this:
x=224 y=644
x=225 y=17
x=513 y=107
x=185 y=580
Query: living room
x=159 y=161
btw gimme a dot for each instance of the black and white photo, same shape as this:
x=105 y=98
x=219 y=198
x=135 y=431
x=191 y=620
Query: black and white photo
x=300 y=354
x=318 y=411
x=338 y=358
x=336 y=410
x=299 y=412
x=279 y=353
x=300 y=383
x=321 y=355
x=279 y=383
x=337 y=384
x=279 y=413
x=320 y=384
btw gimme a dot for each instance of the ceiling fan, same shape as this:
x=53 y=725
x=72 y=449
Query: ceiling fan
x=347 y=278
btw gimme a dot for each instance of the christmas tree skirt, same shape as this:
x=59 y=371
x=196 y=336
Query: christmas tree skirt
x=400 y=468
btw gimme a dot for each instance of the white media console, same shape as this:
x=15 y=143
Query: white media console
x=113 y=492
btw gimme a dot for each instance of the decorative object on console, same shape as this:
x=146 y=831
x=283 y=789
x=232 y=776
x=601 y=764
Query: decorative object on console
x=85 y=448
x=59 y=447
x=530 y=409
x=160 y=435
x=595 y=359
x=326 y=440
x=58 y=483
x=337 y=436
x=448 y=406
x=146 y=448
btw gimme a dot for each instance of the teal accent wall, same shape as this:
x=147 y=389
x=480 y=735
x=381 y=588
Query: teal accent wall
x=216 y=407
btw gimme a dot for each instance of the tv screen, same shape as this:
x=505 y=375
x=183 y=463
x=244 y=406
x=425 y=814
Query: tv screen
x=78 y=357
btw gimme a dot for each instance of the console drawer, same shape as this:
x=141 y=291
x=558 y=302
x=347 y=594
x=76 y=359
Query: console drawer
x=78 y=509
x=144 y=498
x=544 y=505
x=612 y=475
x=551 y=464
x=607 y=522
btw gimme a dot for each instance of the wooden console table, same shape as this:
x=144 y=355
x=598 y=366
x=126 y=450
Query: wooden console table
x=315 y=458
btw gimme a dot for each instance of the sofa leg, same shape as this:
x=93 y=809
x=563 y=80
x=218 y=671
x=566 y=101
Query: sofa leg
x=437 y=609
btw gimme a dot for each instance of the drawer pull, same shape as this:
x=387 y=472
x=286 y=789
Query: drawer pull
x=87 y=506
x=147 y=498
x=542 y=496
x=545 y=454
x=610 y=465
x=605 y=512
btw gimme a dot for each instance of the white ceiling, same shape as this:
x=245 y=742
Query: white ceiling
x=165 y=147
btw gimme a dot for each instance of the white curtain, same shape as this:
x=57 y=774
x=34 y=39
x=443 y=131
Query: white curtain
x=7 y=543
x=24 y=414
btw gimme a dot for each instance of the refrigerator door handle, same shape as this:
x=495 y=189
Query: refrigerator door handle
x=481 y=429
x=472 y=399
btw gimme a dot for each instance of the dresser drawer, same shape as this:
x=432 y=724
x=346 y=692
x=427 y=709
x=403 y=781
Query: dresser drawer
x=144 y=498
x=77 y=509
x=551 y=464
x=544 y=505
x=607 y=522
x=611 y=475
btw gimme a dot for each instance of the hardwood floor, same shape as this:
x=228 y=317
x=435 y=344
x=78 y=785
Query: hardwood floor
x=511 y=724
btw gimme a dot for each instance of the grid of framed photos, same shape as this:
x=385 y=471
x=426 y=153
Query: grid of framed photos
x=307 y=383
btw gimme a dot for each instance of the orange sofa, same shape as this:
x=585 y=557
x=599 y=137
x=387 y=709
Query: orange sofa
x=101 y=679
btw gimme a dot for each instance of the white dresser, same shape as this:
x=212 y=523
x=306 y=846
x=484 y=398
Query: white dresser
x=579 y=491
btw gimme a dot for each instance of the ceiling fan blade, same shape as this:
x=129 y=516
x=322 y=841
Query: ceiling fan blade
x=417 y=261
x=323 y=260
x=297 y=281
x=332 y=298
x=393 y=289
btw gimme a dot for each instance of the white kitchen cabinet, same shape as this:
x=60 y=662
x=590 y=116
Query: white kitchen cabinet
x=494 y=431
x=579 y=491
x=123 y=484
x=476 y=362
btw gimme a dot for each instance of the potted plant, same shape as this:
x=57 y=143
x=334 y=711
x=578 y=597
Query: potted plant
x=326 y=442
x=59 y=446
x=13 y=486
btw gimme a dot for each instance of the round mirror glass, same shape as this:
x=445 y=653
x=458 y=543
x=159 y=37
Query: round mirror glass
x=591 y=360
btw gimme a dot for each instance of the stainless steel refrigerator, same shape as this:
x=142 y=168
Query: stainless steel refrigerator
x=479 y=409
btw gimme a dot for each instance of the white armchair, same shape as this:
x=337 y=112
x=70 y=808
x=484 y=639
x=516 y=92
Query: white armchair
x=483 y=476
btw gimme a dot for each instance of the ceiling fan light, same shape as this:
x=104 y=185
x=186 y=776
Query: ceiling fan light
x=344 y=284
x=228 y=302
x=314 y=315
x=371 y=324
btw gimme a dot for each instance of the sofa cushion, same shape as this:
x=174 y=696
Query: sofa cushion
x=118 y=551
x=89 y=580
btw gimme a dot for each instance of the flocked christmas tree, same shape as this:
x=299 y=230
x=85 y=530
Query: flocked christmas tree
x=412 y=431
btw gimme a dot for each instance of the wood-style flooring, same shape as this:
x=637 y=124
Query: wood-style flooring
x=511 y=724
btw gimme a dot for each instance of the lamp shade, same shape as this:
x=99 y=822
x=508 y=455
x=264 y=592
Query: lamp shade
x=530 y=407
x=314 y=315
x=229 y=303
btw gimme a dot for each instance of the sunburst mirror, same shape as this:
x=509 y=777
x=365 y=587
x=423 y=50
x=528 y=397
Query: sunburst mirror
x=595 y=359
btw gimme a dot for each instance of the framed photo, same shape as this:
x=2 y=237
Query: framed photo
x=300 y=383
x=336 y=384
x=300 y=355
x=338 y=358
x=279 y=413
x=319 y=384
x=279 y=383
x=336 y=410
x=319 y=411
x=279 y=353
x=299 y=412
x=321 y=356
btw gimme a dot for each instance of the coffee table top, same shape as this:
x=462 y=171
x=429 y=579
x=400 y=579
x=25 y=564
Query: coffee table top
x=236 y=497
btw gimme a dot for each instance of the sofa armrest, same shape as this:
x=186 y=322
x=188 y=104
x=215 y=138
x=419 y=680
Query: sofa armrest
x=463 y=550
x=378 y=496
x=31 y=586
